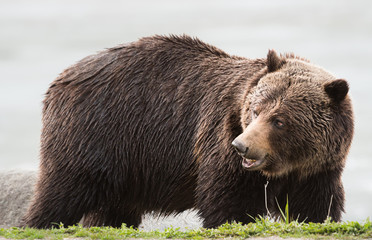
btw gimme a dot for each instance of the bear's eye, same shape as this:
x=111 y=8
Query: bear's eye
x=277 y=123
x=254 y=114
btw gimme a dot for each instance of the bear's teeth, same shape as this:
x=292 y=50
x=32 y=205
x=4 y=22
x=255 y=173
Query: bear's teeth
x=248 y=163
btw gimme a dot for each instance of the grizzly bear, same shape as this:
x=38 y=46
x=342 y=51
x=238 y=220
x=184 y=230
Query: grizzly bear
x=166 y=124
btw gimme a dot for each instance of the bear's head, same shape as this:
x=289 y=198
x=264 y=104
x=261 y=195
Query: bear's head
x=295 y=117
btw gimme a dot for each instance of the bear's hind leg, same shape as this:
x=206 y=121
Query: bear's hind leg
x=60 y=198
x=50 y=208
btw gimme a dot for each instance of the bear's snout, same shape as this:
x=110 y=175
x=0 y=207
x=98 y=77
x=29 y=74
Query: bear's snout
x=252 y=159
x=246 y=151
x=240 y=147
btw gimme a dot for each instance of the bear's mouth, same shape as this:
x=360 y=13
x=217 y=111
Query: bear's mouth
x=252 y=164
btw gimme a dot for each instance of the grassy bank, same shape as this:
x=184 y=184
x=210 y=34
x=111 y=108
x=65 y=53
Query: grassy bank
x=261 y=228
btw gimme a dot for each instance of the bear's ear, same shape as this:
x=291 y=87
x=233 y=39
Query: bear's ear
x=274 y=62
x=337 y=89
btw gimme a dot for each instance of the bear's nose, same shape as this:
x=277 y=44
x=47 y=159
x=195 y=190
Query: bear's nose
x=240 y=147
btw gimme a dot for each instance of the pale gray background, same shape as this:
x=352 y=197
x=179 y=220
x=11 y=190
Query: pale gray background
x=40 y=38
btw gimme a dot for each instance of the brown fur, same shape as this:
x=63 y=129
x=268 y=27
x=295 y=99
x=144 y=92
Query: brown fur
x=148 y=126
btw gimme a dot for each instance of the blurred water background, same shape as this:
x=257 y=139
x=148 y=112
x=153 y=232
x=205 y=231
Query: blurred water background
x=40 y=38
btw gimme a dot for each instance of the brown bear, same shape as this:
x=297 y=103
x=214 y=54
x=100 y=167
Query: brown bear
x=151 y=126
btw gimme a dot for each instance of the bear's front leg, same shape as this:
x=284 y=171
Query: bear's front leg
x=227 y=193
x=315 y=198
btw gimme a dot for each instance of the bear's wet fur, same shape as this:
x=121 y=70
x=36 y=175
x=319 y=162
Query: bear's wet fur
x=148 y=127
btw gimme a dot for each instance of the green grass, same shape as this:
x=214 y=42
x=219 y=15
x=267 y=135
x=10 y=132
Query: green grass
x=261 y=228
